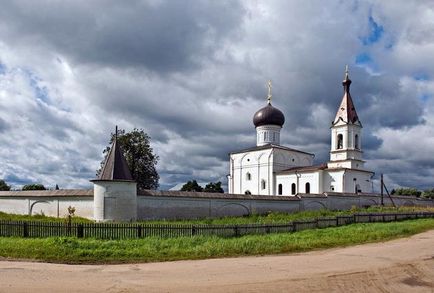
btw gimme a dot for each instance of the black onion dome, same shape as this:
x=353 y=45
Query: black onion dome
x=268 y=116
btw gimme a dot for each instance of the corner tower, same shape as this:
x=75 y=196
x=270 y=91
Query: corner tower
x=268 y=122
x=115 y=191
x=346 y=131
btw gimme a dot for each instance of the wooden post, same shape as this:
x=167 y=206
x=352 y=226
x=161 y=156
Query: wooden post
x=25 y=230
x=382 y=184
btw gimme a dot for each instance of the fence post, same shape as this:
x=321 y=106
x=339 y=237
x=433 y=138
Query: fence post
x=25 y=230
x=193 y=230
x=80 y=231
x=236 y=231
x=139 y=231
x=337 y=221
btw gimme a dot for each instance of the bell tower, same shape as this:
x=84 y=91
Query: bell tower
x=346 y=130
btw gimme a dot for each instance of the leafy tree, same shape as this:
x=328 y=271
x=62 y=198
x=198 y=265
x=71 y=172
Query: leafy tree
x=192 y=186
x=139 y=156
x=429 y=193
x=4 y=186
x=214 y=187
x=34 y=187
x=406 y=191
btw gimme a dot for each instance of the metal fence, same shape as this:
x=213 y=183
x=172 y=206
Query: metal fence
x=138 y=230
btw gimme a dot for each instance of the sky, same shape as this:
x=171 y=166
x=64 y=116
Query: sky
x=192 y=73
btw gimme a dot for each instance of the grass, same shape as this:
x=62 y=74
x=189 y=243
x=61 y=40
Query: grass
x=270 y=218
x=73 y=250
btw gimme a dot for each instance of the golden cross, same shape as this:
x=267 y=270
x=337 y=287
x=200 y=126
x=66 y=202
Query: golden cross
x=269 y=92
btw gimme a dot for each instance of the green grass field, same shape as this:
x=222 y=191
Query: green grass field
x=73 y=250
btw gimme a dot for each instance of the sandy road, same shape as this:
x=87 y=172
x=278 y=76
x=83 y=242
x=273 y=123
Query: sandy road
x=404 y=265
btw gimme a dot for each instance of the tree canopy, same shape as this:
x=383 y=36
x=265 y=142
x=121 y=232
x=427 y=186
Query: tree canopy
x=34 y=187
x=4 y=186
x=212 y=187
x=141 y=160
x=192 y=185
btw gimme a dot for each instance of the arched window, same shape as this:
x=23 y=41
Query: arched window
x=263 y=184
x=340 y=142
x=265 y=135
x=293 y=188
x=247 y=192
x=307 y=187
x=356 y=141
x=248 y=176
x=280 y=189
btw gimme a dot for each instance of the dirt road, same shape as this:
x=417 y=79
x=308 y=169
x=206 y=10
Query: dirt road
x=404 y=265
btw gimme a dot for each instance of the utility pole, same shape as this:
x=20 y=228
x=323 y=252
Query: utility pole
x=382 y=186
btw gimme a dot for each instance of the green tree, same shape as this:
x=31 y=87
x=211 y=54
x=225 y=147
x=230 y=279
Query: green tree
x=214 y=187
x=406 y=191
x=192 y=186
x=4 y=186
x=139 y=155
x=34 y=187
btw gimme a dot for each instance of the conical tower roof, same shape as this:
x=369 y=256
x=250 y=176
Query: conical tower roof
x=115 y=167
x=346 y=112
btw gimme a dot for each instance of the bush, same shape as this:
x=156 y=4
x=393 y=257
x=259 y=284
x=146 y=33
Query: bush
x=429 y=193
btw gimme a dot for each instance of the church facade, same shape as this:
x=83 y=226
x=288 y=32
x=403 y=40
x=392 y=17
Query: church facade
x=272 y=169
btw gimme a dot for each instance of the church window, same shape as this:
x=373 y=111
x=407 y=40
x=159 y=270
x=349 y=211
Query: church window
x=263 y=184
x=332 y=188
x=280 y=189
x=340 y=142
x=247 y=192
x=307 y=187
x=265 y=136
x=293 y=188
x=248 y=176
x=274 y=136
x=356 y=141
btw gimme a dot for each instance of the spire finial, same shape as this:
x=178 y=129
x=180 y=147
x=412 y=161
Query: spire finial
x=269 y=91
x=346 y=72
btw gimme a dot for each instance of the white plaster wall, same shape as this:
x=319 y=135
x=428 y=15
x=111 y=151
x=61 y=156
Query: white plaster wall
x=115 y=201
x=262 y=165
x=258 y=164
x=267 y=134
x=333 y=178
x=49 y=206
x=362 y=178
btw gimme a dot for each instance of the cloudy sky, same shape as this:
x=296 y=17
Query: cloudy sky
x=192 y=74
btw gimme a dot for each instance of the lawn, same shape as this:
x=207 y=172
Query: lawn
x=73 y=250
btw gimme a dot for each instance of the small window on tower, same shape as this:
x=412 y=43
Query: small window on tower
x=340 y=142
x=263 y=184
x=356 y=142
x=248 y=176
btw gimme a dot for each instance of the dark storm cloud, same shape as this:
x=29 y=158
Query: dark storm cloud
x=162 y=36
x=192 y=74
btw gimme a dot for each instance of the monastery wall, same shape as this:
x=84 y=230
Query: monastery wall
x=153 y=204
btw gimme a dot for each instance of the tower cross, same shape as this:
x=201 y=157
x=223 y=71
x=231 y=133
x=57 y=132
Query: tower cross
x=269 y=92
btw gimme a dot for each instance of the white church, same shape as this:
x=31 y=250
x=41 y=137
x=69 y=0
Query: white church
x=273 y=169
